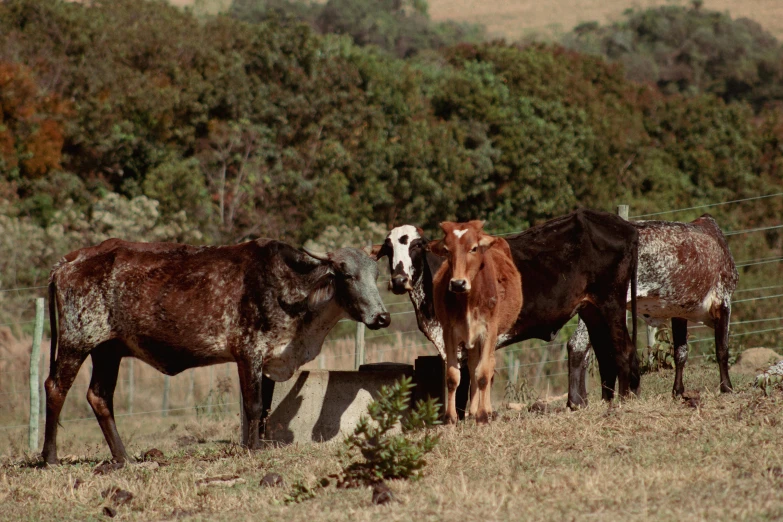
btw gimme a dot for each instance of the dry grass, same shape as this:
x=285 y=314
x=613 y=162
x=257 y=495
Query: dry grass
x=649 y=458
x=514 y=19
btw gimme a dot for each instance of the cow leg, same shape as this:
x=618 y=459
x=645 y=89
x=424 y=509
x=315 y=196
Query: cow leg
x=601 y=340
x=474 y=356
x=105 y=369
x=627 y=362
x=250 y=383
x=578 y=359
x=680 y=338
x=484 y=374
x=452 y=379
x=65 y=369
x=722 y=317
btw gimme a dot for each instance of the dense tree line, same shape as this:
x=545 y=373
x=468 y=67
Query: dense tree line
x=690 y=50
x=139 y=120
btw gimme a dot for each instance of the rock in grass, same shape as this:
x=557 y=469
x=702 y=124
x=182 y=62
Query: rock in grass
x=221 y=480
x=692 y=398
x=152 y=455
x=272 y=480
x=118 y=496
x=108 y=467
x=381 y=494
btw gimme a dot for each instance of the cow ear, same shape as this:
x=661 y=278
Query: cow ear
x=420 y=232
x=477 y=223
x=376 y=251
x=437 y=248
x=486 y=241
x=323 y=293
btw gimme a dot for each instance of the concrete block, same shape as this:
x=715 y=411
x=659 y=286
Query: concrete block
x=321 y=405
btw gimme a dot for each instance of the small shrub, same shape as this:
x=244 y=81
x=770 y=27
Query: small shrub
x=518 y=392
x=387 y=456
x=659 y=355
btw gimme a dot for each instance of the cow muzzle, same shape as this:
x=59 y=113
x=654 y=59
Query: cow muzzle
x=459 y=286
x=380 y=321
x=400 y=284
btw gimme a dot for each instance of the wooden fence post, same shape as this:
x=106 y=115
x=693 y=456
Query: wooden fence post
x=130 y=385
x=35 y=384
x=166 y=389
x=359 y=352
x=192 y=388
x=211 y=395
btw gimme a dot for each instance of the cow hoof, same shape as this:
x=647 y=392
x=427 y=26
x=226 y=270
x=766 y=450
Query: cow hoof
x=726 y=389
x=450 y=421
x=482 y=418
x=50 y=460
x=676 y=394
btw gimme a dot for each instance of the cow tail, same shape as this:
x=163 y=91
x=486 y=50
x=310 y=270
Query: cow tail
x=53 y=326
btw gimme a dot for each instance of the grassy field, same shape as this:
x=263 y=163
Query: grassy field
x=651 y=457
x=514 y=19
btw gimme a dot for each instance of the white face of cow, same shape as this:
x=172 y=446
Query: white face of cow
x=403 y=246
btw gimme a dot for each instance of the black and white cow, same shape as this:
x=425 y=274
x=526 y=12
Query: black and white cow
x=581 y=263
x=685 y=273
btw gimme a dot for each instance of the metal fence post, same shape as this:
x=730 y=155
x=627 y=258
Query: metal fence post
x=35 y=360
x=651 y=331
x=359 y=352
x=166 y=389
x=130 y=385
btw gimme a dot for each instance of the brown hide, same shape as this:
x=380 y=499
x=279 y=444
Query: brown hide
x=477 y=295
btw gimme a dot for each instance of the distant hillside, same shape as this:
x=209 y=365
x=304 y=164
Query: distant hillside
x=514 y=19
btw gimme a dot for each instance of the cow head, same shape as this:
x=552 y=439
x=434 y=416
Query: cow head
x=405 y=246
x=463 y=244
x=350 y=279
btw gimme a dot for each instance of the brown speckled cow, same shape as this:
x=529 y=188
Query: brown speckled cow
x=263 y=304
x=685 y=273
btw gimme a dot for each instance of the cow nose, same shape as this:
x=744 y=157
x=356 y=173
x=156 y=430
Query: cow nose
x=381 y=321
x=399 y=284
x=458 y=285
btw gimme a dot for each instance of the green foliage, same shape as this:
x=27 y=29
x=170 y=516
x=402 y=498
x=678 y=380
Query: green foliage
x=768 y=381
x=215 y=129
x=387 y=455
x=659 y=355
x=691 y=51
x=300 y=492
x=401 y=27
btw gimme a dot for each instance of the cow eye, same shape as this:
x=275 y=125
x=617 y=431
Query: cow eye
x=474 y=249
x=445 y=248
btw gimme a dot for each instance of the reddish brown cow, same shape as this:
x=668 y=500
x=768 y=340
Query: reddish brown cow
x=478 y=295
x=263 y=304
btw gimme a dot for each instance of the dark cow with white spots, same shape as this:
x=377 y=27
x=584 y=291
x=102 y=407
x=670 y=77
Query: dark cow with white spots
x=581 y=263
x=262 y=304
x=685 y=273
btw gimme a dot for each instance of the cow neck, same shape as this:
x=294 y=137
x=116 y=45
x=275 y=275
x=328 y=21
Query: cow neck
x=421 y=298
x=311 y=331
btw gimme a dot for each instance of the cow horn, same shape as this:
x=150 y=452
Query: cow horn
x=318 y=255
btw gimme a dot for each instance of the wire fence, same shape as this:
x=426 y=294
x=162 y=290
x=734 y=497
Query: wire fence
x=214 y=391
